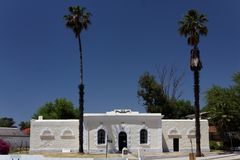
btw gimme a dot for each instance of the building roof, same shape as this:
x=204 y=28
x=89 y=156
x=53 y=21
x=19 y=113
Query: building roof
x=202 y=115
x=11 y=132
x=123 y=112
x=26 y=131
x=115 y=116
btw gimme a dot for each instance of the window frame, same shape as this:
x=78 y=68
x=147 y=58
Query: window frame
x=143 y=136
x=101 y=137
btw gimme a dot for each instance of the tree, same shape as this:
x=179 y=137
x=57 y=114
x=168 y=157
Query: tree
x=236 y=86
x=182 y=108
x=223 y=109
x=170 y=81
x=155 y=100
x=7 y=122
x=59 y=109
x=23 y=125
x=151 y=93
x=78 y=20
x=223 y=105
x=192 y=26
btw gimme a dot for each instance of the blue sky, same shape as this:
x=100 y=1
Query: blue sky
x=39 y=58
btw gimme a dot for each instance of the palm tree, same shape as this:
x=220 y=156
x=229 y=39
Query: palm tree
x=78 y=20
x=192 y=26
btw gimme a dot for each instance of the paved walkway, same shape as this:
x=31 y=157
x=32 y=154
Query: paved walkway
x=233 y=156
x=36 y=157
x=184 y=156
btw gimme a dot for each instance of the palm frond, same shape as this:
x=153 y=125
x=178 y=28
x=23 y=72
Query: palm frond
x=192 y=25
x=78 y=19
x=203 y=19
x=203 y=30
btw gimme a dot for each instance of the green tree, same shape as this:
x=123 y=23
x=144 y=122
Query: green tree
x=23 y=125
x=181 y=108
x=59 y=109
x=151 y=94
x=7 y=122
x=78 y=20
x=223 y=105
x=192 y=26
x=223 y=109
x=236 y=86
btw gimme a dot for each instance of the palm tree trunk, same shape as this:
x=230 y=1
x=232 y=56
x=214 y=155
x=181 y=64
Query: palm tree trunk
x=197 y=117
x=81 y=99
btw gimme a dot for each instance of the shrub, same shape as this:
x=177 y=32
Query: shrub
x=4 y=147
x=220 y=146
x=216 y=146
x=213 y=144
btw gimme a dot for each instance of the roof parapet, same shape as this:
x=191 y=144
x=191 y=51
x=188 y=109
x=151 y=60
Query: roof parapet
x=121 y=111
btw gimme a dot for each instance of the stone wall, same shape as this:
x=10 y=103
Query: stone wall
x=62 y=135
x=54 y=135
x=184 y=130
x=132 y=129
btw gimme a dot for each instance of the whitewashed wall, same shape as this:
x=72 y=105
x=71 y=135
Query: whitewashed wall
x=48 y=135
x=62 y=135
x=131 y=126
x=184 y=130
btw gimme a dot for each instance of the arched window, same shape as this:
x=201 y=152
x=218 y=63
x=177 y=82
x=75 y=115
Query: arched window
x=143 y=136
x=101 y=136
x=174 y=133
x=191 y=133
x=46 y=134
x=67 y=134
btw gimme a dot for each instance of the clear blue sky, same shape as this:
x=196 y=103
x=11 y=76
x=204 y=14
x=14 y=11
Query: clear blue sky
x=39 y=58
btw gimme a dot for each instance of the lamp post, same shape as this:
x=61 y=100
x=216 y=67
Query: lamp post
x=107 y=146
x=108 y=141
x=196 y=66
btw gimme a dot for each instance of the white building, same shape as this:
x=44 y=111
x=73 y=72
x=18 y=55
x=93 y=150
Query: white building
x=120 y=128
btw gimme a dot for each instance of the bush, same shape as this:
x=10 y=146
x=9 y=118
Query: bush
x=213 y=144
x=4 y=147
x=216 y=146
x=220 y=146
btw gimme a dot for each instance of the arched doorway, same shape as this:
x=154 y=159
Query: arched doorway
x=122 y=140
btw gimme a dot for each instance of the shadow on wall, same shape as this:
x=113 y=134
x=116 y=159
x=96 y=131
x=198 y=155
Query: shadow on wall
x=164 y=144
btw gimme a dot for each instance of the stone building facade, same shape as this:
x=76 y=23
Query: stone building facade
x=115 y=130
x=182 y=133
